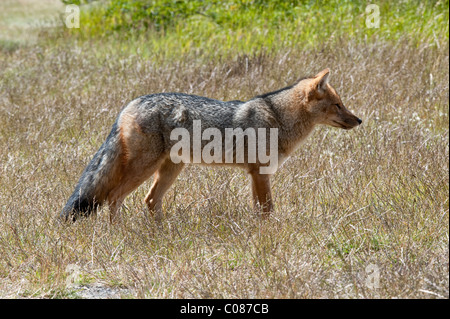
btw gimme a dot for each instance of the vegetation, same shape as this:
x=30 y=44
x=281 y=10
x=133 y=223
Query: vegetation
x=347 y=202
x=227 y=27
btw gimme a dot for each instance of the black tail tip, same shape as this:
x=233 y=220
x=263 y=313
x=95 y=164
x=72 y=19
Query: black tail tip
x=67 y=216
x=72 y=216
x=76 y=208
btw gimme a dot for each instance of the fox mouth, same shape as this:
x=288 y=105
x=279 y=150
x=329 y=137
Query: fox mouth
x=342 y=125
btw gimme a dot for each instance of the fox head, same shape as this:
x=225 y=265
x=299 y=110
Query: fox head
x=325 y=105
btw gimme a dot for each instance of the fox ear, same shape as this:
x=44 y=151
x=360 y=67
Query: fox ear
x=321 y=80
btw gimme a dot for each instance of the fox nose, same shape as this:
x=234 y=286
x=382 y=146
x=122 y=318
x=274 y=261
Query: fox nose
x=359 y=121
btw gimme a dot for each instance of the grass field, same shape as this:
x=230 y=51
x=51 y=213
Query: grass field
x=350 y=206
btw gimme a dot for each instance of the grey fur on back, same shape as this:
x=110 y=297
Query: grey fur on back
x=163 y=112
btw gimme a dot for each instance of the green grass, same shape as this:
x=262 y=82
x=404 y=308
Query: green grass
x=227 y=28
x=376 y=195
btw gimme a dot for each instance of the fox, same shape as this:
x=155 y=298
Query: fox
x=140 y=142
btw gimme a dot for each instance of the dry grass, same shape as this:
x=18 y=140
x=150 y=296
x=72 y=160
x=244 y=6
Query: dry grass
x=376 y=195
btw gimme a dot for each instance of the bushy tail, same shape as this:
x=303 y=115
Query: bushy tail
x=97 y=180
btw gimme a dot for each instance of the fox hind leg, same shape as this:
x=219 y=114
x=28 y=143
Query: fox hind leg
x=130 y=180
x=114 y=209
x=135 y=171
x=164 y=178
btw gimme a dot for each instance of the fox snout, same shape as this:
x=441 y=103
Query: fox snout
x=344 y=119
x=350 y=122
x=358 y=121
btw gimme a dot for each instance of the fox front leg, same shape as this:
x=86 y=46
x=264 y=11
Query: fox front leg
x=262 y=195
